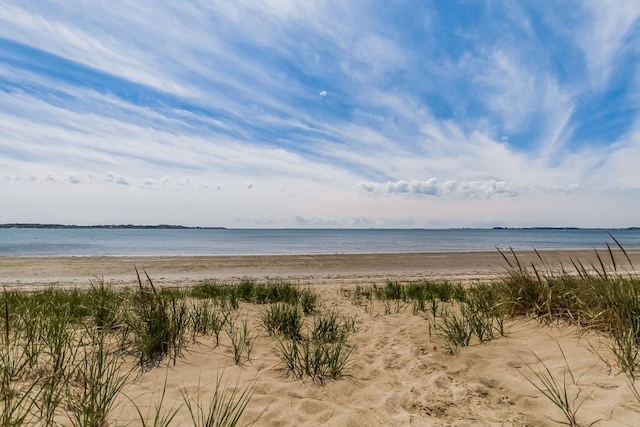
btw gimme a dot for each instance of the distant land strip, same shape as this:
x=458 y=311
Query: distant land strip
x=565 y=228
x=184 y=227
x=113 y=226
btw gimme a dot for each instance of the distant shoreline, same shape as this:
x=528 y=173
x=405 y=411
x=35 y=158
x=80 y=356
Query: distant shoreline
x=109 y=226
x=184 y=227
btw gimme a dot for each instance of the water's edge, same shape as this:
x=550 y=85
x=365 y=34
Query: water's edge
x=40 y=242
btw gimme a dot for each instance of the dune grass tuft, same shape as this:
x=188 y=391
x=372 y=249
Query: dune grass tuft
x=223 y=409
x=603 y=296
x=62 y=351
x=284 y=320
x=566 y=396
x=321 y=353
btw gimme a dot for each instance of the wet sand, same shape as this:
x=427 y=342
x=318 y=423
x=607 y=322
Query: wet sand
x=309 y=269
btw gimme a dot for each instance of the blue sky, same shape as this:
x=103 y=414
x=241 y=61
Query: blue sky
x=321 y=113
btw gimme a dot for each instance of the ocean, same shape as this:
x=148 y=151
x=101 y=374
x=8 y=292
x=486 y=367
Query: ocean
x=185 y=242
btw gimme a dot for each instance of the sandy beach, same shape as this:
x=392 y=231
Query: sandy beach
x=399 y=372
x=312 y=204
x=307 y=269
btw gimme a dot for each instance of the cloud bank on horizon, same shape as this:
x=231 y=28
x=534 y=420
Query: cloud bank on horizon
x=323 y=113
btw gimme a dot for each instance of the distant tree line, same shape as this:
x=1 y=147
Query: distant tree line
x=112 y=226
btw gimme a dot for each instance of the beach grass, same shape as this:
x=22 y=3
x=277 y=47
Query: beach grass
x=601 y=297
x=396 y=296
x=95 y=382
x=251 y=291
x=284 y=320
x=319 y=361
x=162 y=417
x=604 y=297
x=66 y=353
x=564 y=393
x=318 y=351
x=223 y=408
x=241 y=339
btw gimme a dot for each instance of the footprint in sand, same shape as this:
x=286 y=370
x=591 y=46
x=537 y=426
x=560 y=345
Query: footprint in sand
x=504 y=400
x=430 y=368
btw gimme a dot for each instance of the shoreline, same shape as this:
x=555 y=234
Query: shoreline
x=306 y=269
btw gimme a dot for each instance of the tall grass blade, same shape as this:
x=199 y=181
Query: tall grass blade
x=554 y=390
x=6 y=318
x=517 y=260
x=604 y=269
x=578 y=270
x=224 y=408
x=613 y=260
x=622 y=249
x=160 y=418
x=504 y=257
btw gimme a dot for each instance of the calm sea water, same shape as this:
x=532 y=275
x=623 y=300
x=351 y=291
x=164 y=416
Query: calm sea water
x=92 y=242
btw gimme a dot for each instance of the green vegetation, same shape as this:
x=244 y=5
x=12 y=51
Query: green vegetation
x=321 y=353
x=224 y=408
x=284 y=320
x=160 y=417
x=256 y=293
x=603 y=296
x=564 y=396
x=241 y=339
x=396 y=297
x=97 y=381
x=66 y=354
x=62 y=351
x=479 y=315
x=458 y=314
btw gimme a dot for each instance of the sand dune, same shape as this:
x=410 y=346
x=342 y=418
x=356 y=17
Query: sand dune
x=400 y=374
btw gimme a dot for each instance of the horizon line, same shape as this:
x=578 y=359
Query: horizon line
x=196 y=227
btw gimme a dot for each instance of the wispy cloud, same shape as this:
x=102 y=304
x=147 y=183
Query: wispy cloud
x=330 y=113
x=450 y=188
x=612 y=29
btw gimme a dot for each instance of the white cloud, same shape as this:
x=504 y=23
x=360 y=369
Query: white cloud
x=373 y=57
x=524 y=97
x=623 y=155
x=607 y=30
x=137 y=148
x=73 y=178
x=120 y=180
x=114 y=178
x=449 y=188
x=61 y=34
x=511 y=89
x=229 y=115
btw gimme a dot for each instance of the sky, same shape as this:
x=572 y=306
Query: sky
x=341 y=114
